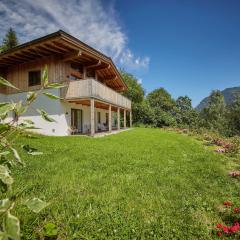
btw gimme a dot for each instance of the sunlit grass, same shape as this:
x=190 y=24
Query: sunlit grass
x=139 y=184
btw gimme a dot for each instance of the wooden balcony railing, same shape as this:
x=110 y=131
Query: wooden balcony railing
x=81 y=89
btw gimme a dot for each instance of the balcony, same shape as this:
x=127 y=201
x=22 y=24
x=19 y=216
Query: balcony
x=90 y=88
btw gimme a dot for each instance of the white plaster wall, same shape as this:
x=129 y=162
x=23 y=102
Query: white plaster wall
x=56 y=109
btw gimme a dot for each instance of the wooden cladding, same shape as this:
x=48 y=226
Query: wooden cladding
x=91 y=88
x=18 y=75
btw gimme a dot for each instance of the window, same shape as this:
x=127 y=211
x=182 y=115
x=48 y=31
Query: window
x=99 y=117
x=34 y=78
x=91 y=74
x=107 y=119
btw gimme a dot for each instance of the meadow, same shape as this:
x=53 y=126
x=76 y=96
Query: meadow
x=139 y=184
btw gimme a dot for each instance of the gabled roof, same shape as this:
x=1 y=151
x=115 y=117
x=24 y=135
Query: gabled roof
x=70 y=49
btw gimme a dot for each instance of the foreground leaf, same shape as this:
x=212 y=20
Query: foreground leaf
x=12 y=226
x=35 y=153
x=45 y=116
x=45 y=76
x=36 y=205
x=29 y=121
x=3 y=236
x=6 y=108
x=5 y=176
x=4 y=153
x=51 y=96
x=16 y=155
x=7 y=83
x=5 y=204
x=31 y=96
x=55 y=85
x=50 y=230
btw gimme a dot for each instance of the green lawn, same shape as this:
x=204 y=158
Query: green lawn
x=139 y=184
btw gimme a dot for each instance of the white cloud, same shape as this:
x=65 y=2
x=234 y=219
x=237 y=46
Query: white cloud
x=139 y=80
x=87 y=20
x=128 y=59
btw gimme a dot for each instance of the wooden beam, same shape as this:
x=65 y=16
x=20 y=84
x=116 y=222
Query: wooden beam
x=24 y=57
x=93 y=65
x=100 y=67
x=71 y=55
x=76 y=73
x=109 y=79
x=55 y=46
x=50 y=49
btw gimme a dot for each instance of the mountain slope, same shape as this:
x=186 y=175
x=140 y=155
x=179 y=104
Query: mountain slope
x=228 y=93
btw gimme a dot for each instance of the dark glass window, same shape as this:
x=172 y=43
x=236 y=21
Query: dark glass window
x=99 y=117
x=34 y=78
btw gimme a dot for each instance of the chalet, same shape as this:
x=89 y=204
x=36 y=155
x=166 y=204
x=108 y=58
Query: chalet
x=91 y=99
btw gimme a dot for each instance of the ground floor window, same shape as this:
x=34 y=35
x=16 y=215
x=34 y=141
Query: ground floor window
x=99 y=117
x=107 y=119
x=76 y=121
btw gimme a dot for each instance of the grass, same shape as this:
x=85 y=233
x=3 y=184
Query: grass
x=139 y=184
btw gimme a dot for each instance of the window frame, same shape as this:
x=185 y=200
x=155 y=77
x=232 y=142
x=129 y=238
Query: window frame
x=38 y=83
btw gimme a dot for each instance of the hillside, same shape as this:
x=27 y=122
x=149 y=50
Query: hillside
x=228 y=93
x=139 y=184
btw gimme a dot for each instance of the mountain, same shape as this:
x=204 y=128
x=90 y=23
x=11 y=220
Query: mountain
x=228 y=93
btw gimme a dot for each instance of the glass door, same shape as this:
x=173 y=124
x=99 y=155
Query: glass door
x=76 y=120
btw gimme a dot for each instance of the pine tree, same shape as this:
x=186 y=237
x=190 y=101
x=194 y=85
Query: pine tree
x=9 y=41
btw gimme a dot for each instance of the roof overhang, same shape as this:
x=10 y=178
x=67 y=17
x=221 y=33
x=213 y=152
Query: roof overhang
x=70 y=49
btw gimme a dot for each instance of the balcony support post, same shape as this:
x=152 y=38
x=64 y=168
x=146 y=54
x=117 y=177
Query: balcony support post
x=130 y=118
x=110 y=118
x=124 y=119
x=118 y=118
x=92 y=117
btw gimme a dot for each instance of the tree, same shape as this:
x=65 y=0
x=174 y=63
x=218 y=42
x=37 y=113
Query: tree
x=164 y=107
x=135 y=90
x=160 y=98
x=186 y=115
x=9 y=41
x=135 y=93
x=214 y=115
x=233 y=116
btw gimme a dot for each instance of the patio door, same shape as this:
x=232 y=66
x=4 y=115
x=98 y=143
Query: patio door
x=76 y=120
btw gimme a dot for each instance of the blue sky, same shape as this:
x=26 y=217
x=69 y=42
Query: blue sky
x=188 y=47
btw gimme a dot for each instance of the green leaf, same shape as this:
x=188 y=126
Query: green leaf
x=27 y=148
x=12 y=226
x=35 y=153
x=55 y=85
x=50 y=230
x=31 y=96
x=5 y=204
x=16 y=155
x=45 y=116
x=4 y=153
x=6 y=108
x=6 y=83
x=45 y=76
x=5 y=175
x=19 y=108
x=36 y=205
x=52 y=96
x=28 y=121
x=3 y=236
